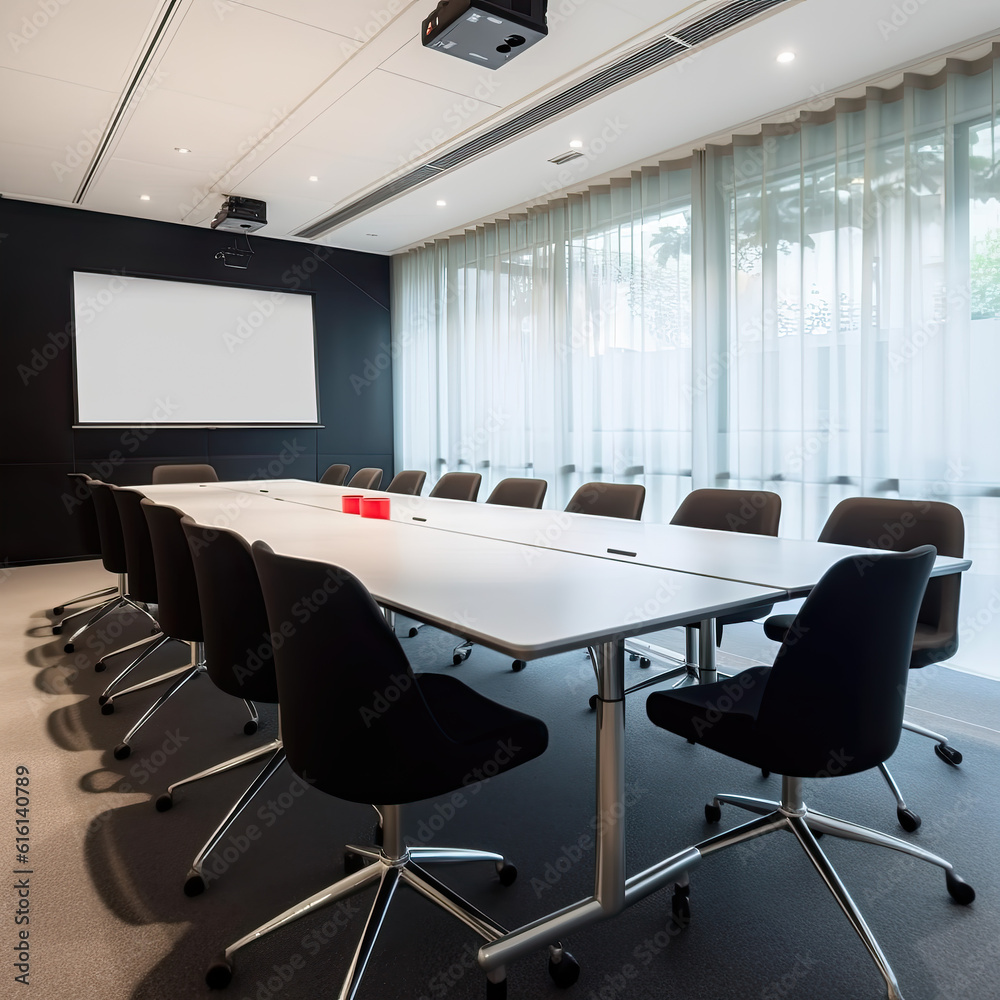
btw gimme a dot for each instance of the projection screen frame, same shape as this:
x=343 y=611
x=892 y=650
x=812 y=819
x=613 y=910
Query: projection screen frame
x=169 y=425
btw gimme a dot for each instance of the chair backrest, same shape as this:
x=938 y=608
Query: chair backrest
x=238 y=647
x=519 y=493
x=109 y=526
x=898 y=525
x=835 y=696
x=755 y=512
x=353 y=720
x=163 y=474
x=89 y=528
x=409 y=482
x=609 y=500
x=138 y=547
x=458 y=486
x=178 y=611
x=366 y=479
x=335 y=475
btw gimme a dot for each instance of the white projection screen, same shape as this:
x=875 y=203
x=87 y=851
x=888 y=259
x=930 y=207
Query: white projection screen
x=152 y=351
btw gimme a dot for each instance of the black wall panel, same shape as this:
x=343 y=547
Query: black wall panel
x=41 y=246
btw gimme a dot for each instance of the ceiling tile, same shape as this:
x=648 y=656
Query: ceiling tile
x=31 y=171
x=93 y=43
x=354 y=19
x=246 y=57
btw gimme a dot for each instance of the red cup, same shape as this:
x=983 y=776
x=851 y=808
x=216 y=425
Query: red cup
x=349 y=503
x=375 y=507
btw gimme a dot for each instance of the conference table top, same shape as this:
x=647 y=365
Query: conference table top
x=522 y=600
x=787 y=564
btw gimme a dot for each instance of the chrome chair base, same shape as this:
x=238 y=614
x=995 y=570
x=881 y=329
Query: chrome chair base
x=392 y=865
x=182 y=675
x=197 y=881
x=793 y=815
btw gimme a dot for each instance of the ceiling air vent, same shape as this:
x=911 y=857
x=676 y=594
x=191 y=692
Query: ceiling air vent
x=665 y=48
x=570 y=154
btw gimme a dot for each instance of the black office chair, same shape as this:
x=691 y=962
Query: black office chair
x=884 y=523
x=623 y=500
x=335 y=475
x=457 y=486
x=436 y=733
x=154 y=561
x=105 y=597
x=752 y=512
x=408 y=482
x=365 y=479
x=237 y=640
x=528 y=493
x=824 y=709
x=166 y=474
x=114 y=558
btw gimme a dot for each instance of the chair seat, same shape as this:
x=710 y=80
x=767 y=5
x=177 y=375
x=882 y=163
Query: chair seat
x=488 y=739
x=721 y=716
x=930 y=644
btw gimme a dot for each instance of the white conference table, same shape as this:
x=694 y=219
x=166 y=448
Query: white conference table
x=787 y=564
x=526 y=599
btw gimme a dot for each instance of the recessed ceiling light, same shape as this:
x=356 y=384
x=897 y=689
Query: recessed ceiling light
x=441 y=203
x=786 y=57
x=314 y=178
x=181 y=149
x=144 y=197
x=576 y=144
x=371 y=234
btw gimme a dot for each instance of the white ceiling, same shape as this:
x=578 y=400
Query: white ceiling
x=268 y=93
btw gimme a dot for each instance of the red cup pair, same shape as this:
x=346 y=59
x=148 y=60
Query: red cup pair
x=355 y=503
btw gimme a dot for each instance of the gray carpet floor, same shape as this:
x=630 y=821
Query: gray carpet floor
x=109 y=920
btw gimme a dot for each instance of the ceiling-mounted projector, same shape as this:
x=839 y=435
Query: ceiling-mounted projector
x=240 y=215
x=488 y=33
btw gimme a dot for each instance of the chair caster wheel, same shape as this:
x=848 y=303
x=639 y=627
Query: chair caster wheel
x=908 y=820
x=68 y=648
x=123 y=750
x=680 y=905
x=250 y=728
x=948 y=754
x=593 y=703
x=645 y=661
x=713 y=813
x=633 y=657
x=506 y=872
x=496 y=991
x=108 y=708
x=565 y=972
x=414 y=632
x=959 y=889
x=353 y=862
x=101 y=699
x=57 y=629
x=194 y=885
x=518 y=665
x=59 y=610
x=164 y=802
x=765 y=773
x=220 y=975
x=100 y=666
x=460 y=656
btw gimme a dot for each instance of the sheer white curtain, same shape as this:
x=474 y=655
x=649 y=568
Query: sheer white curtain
x=554 y=344
x=814 y=310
